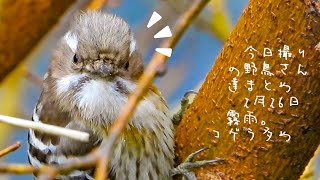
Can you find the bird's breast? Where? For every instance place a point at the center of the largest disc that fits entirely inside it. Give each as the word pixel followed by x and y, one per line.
pixel 145 149
pixel 143 154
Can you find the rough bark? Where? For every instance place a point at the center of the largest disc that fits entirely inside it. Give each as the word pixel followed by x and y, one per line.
pixel 22 25
pixel 272 24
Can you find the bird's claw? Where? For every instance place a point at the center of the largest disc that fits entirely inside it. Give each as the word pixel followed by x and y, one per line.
pixel 185 103
pixel 185 167
pixel 188 93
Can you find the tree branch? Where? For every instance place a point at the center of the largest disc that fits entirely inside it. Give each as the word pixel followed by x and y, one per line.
pixel 23 23
pixel 34 78
pixel 10 149
pixel 268 154
pixel 46 128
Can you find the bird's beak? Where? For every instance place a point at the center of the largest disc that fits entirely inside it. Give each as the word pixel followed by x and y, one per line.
pixel 100 68
pixel 104 70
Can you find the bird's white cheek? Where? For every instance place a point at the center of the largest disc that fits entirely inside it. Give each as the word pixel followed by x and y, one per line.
pixel 65 83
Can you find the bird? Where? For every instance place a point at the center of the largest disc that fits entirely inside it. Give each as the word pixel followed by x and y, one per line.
pixel 94 68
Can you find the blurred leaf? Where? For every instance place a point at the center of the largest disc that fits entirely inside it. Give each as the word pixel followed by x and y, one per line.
pixel 11 89
pixel 10 100
pixel 220 23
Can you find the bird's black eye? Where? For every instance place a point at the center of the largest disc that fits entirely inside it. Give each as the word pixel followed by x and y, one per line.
pixel 76 58
pixel 127 65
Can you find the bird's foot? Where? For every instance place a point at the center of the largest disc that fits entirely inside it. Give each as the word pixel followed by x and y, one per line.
pixel 185 167
pixel 185 103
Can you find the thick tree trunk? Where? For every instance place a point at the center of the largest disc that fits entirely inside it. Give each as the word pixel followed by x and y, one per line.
pixel 264 24
pixel 22 24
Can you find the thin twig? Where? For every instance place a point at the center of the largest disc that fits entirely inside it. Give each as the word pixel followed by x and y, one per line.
pixel 158 60
pixel 10 149
pixel 96 4
pixel 18 169
pixel 48 173
pixel 46 128
pixel 81 163
pixel 35 79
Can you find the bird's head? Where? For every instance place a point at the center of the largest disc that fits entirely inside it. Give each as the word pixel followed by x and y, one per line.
pixel 95 65
pixel 99 45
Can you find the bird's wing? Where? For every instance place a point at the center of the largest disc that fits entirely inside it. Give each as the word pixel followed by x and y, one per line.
pixel 50 149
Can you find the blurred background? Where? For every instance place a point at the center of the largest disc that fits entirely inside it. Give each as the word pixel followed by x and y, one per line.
pixel 187 68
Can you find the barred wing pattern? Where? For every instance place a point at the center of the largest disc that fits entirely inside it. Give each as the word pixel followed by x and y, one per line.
pixel 50 149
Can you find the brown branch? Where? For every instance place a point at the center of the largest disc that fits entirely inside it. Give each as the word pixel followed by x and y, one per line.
pixel 18 169
pixel 81 163
pixel 158 60
pixel 96 4
pixel 263 24
pixel 34 78
pixel 19 18
pixel 48 174
pixel 101 156
pixel 10 149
